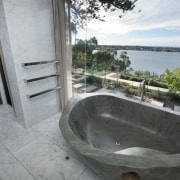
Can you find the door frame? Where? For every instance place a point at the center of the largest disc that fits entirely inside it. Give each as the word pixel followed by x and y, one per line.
pixel 6 78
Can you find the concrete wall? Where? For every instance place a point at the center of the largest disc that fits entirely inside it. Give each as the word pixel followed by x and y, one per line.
pixel 7 58
pixel 29 33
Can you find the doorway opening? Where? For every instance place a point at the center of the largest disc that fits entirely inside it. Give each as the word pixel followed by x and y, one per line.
pixel 4 85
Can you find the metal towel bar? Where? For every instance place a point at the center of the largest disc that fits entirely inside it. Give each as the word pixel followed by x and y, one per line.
pixel 39 63
pixel 43 92
pixel 40 78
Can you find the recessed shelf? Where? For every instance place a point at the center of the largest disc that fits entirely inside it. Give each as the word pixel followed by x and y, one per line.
pixel 42 92
pixel 40 78
pixel 39 63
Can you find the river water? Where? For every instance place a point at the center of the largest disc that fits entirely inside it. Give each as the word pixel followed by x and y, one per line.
pixel 153 61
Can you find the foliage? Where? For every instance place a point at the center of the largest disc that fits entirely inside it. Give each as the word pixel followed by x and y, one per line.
pixel 125 77
pixel 129 71
pixel 79 46
pixel 129 91
pixel 157 95
pixel 131 78
pixel 152 82
pixel 117 84
pixel 134 78
pixel 80 59
pixel 103 59
pixel 138 73
pixel 123 61
pixel 108 60
pixel 83 11
pixel 82 52
pixel 146 74
pixel 174 96
pixel 173 79
pixel 85 46
pixel 113 68
pixel 93 80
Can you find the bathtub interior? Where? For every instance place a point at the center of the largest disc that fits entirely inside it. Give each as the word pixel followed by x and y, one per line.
pixel 113 124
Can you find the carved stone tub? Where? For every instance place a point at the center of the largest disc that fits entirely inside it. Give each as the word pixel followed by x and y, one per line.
pixel 116 136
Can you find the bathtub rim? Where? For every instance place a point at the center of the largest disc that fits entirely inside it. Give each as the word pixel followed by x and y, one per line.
pixel 133 161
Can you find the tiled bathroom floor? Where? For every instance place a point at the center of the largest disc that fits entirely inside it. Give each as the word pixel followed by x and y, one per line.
pixel 37 153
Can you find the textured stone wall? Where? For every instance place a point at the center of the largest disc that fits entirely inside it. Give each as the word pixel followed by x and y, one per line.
pixel 27 35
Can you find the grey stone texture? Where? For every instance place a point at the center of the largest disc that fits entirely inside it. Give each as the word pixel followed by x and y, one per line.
pixel 115 135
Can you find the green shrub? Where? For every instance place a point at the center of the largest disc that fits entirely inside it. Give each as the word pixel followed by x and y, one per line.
pixel 93 79
pixel 174 96
pixel 173 79
pixel 134 78
pixel 125 77
pixel 116 84
pixel 157 95
pixel 129 91
pixel 113 68
pixel 152 82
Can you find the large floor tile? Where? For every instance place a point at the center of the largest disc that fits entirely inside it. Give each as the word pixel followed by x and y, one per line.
pixel 14 136
pixel 50 129
pixel 11 168
pixel 39 153
pixel 6 112
pixel 89 175
pixel 47 161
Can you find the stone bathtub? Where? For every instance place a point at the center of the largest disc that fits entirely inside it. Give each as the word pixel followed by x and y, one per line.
pixel 118 137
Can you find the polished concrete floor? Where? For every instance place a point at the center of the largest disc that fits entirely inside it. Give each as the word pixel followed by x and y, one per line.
pixel 37 153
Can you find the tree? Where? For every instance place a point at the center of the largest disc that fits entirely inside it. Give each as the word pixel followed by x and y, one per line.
pixel 79 59
pixel 78 53
pixel 80 46
pixel 103 59
pixel 123 61
pixel 83 11
pixel 85 46
pixel 83 52
pixel 91 45
pixel 173 79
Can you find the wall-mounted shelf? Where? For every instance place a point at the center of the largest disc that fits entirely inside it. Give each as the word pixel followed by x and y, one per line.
pixel 43 92
pixel 40 78
pixel 39 63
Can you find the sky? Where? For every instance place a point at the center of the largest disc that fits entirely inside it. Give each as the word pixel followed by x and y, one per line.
pixel 158 24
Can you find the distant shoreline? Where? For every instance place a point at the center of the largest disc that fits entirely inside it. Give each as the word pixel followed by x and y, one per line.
pixel 138 48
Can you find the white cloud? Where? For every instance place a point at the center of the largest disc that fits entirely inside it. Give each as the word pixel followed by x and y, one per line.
pixel 154 14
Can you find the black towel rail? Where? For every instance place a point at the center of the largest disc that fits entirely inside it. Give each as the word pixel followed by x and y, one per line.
pixel 39 63
pixel 43 92
pixel 40 78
